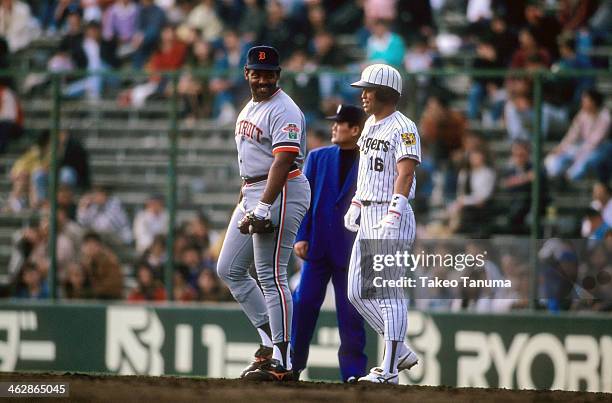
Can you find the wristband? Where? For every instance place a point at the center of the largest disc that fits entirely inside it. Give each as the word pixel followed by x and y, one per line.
pixel 262 210
pixel 356 202
pixel 398 204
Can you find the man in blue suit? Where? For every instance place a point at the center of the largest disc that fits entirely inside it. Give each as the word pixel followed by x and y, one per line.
pixel 325 245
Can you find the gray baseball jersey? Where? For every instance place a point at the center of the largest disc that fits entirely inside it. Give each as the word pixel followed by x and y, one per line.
pixel 266 127
pixel 381 145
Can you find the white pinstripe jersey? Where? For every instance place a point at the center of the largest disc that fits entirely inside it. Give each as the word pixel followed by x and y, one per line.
pixel 381 145
pixel 265 128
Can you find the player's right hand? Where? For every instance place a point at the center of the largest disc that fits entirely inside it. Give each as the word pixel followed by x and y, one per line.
pixel 301 249
pixel 352 215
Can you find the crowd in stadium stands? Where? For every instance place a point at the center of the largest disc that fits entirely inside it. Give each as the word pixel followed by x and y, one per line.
pixel 458 175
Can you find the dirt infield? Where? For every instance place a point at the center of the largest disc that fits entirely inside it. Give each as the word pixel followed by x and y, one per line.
pixel 98 388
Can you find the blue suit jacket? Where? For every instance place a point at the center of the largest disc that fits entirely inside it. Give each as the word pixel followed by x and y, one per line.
pixel 323 224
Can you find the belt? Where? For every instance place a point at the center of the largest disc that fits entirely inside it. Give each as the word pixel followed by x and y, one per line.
pixel 367 203
pixel 294 172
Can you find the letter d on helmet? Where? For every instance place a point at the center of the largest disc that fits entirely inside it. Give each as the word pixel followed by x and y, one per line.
pixel 380 75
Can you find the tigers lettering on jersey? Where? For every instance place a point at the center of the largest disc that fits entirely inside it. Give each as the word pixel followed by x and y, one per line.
pixel 248 130
pixel 375 144
pixel 382 145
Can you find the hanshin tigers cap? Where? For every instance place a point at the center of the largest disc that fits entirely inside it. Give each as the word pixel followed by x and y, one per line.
pixel 380 75
pixel 263 58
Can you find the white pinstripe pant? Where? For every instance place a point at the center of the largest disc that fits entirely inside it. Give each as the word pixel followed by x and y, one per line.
pixel 388 317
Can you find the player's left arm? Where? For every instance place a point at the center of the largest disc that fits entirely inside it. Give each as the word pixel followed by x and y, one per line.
pixel 406 169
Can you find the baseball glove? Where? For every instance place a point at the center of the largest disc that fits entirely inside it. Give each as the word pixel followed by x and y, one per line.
pixel 251 224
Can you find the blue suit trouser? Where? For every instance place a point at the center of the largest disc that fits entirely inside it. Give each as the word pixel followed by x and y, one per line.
pixel 307 301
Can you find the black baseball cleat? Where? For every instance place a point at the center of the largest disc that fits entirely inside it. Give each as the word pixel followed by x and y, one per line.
pixel 272 371
pixel 262 356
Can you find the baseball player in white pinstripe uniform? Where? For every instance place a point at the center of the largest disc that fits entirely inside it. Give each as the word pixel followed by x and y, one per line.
pixel 270 137
pixel 390 150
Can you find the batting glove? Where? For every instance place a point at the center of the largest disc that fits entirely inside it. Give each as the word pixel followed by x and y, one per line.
pixel 389 226
pixel 352 215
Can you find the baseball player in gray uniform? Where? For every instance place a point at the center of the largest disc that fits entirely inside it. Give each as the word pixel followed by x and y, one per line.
pixel 270 136
pixel 390 150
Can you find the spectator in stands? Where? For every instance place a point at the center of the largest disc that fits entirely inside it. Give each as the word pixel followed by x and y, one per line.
pixel 227 86
pixel 99 55
pixel 150 222
pixel 487 57
pixel 203 19
pixel 183 291
pixel 169 56
pixel 199 231
pixel 102 268
pixel 210 288
pixel 596 280
pixel 73 162
pixel 529 49
pixel 278 32
pixel 420 57
pixel 151 19
pixel 384 46
pixel 303 84
pixel 31 244
pixel 102 212
pixel 155 256
pixel 70 54
pixel 66 201
pixel 594 228
pixel 253 21
pixel 377 10
pixel 29 173
pixel 442 129
pixel 519 111
pixel 574 15
pixel 559 273
pixel 585 145
pixel 544 28
pixel 75 283
pixel 119 24
pixel 568 90
pixel 17 24
pixel 602 201
pixel 147 288
pixel 306 29
pixel 194 89
pixel 11 117
pixel 317 137
pixel 61 11
pixel 191 260
pixel 31 284
pixel 601 22
pixel 68 242
pixel 476 182
pixel 516 180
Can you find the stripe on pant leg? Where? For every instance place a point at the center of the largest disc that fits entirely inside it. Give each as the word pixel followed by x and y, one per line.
pixel 276 261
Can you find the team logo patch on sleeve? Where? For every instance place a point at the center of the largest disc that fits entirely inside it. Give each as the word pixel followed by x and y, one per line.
pixel 292 131
pixel 409 139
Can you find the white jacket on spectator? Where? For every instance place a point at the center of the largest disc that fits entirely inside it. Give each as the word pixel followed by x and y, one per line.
pixel 482 183
pixel 146 226
pixel 18 26
pixel 109 219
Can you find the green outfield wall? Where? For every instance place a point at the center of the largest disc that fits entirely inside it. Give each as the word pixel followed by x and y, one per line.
pixel 511 351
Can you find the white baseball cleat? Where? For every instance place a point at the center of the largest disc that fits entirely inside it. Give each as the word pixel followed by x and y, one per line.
pixel 408 361
pixel 377 375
